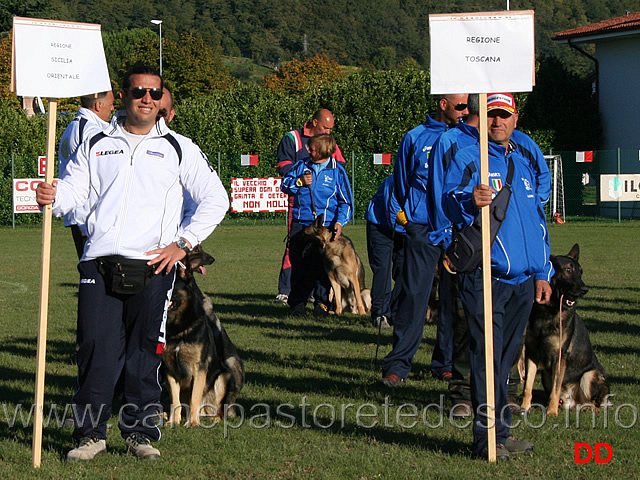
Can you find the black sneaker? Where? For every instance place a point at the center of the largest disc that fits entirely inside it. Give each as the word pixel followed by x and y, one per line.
pixel 300 310
pixel 140 446
pixel 391 381
pixel 321 310
pixel 502 454
pixel 446 376
pixel 515 445
pixel 461 410
pixel 88 448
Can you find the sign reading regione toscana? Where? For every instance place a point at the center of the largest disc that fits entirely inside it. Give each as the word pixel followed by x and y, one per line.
pixel 56 59
pixel 482 52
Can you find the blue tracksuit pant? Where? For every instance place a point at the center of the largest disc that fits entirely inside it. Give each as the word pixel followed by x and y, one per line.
pixel 119 335
pixel 420 260
pixel 385 251
pixel 511 307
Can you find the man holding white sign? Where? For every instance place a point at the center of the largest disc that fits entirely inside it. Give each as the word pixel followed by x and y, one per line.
pixel 134 174
pixel 521 269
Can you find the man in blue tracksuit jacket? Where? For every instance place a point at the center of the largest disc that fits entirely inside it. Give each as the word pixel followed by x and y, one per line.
pixel 420 255
pixel 465 134
pixel 521 269
pixel 321 188
pixel 384 247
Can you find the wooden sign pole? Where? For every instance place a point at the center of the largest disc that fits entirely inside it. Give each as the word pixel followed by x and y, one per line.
pixel 44 289
pixel 486 285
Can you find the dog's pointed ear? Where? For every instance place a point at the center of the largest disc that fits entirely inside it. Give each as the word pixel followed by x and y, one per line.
pixel 319 220
pixel 574 252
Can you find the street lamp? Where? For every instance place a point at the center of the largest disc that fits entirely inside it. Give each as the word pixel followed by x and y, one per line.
pixel 159 23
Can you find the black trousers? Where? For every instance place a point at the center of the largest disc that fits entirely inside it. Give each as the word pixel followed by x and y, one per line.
pixel 308 275
pixel 511 307
pixel 385 252
pixel 119 335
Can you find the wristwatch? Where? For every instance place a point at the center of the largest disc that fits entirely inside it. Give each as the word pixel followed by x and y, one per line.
pixel 182 243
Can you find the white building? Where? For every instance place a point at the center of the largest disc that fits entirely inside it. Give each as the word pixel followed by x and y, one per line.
pixel 617 65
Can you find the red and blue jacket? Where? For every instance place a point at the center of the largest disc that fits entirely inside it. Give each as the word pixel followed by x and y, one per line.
pixel 293 147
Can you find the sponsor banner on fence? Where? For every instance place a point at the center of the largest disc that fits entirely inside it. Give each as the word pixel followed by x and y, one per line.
pixel 24 195
pixel 258 195
pixel 620 188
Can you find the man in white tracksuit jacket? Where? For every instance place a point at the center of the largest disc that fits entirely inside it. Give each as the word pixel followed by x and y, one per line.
pixel 133 175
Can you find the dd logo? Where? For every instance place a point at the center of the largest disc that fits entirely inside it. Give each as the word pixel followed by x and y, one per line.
pixel 598 448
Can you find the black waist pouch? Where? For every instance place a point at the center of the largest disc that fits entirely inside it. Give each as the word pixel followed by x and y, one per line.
pixel 464 253
pixel 125 275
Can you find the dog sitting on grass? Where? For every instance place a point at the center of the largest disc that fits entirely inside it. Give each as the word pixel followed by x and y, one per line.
pixel 343 267
pixel 557 342
pixel 200 363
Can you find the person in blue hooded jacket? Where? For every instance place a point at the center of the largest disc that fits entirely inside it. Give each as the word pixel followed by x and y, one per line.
pixel 385 237
pixel 321 187
pixel 521 269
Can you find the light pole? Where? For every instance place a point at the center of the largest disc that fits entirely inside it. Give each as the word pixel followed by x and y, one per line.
pixel 159 23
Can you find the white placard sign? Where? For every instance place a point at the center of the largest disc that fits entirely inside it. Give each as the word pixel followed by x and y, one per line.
pixel 258 195
pixel 482 52
pixel 58 59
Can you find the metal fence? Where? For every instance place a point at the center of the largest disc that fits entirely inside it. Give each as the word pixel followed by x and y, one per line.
pixel 580 181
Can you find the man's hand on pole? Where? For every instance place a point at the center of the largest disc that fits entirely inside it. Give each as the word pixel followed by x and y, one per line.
pixel 45 193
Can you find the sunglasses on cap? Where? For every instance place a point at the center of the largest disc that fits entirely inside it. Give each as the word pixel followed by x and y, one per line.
pixel 139 92
pixel 460 107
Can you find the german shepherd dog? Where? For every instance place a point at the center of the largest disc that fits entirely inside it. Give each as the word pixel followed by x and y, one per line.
pixel 571 373
pixel 200 363
pixel 343 266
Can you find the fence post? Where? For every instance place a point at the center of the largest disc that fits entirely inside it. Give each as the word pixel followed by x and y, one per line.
pixel 353 185
pixel 13 207
pixel 619 204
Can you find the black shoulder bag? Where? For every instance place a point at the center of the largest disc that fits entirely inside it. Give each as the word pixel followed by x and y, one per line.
pixel 464 254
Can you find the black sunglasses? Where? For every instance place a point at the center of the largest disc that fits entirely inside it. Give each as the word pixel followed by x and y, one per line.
pixel 139 92
pixel 460 107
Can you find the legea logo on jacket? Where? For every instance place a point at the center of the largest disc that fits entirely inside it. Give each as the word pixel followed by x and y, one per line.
pixel 109 152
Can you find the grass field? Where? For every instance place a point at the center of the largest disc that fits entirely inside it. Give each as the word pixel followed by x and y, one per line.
pixel 310 407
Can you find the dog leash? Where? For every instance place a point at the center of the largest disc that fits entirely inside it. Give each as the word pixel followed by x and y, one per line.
pixel 313 204
pixel 560 340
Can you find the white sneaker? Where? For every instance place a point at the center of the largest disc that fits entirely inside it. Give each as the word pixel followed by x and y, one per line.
pixel 281 298
pixel 87 449
pixel 140 446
